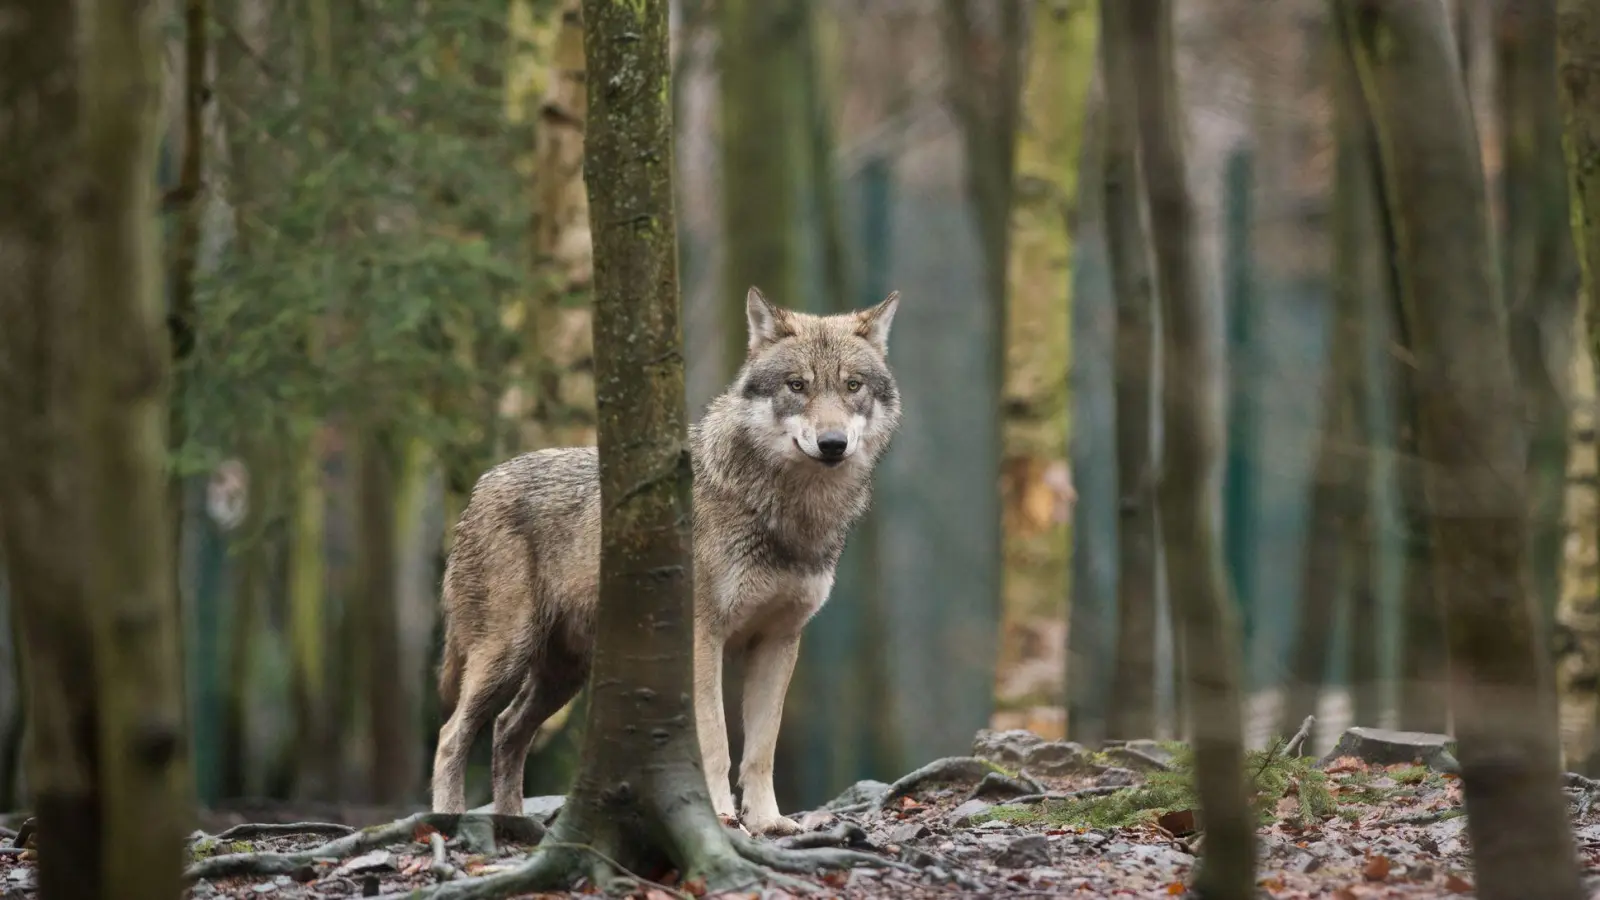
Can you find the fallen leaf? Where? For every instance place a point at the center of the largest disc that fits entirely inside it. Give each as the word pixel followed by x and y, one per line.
pixel 1377 868
pixel 1455 884
pixel 909 803
pixel 695 887
pixel 1344 894
pixel 421 832
pixel 657 894
pixel 1345 764
pixel 1175 888
pixel 1272 883
pixel 835 879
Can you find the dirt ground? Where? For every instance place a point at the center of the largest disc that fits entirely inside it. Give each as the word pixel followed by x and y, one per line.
pixel 972 828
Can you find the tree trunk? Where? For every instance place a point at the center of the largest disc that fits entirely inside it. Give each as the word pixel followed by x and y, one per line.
pixel 1578 61
pixel 84 485
pixel 1540 279
pixel 1187 489
pixel 392 761
pixel 42 337
pixel 1472 448
pixel 764 115
pixel 1037 491
pixel 1340 539
pixel 1133 688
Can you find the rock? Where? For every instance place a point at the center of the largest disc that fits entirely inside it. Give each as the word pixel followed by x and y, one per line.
pixel 906 832
pixel 996 786
pixel 1116 776
pixel 1152 749
pixel 1383 747
pixel 542 809
pixel 867 791
pixel 1008 748
pixel 1025 852
pixel 1136 759
pixel 1057 758
pixel 962 815
pixel 376 861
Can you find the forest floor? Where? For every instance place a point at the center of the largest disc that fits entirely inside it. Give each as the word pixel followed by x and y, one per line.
pixel 1374 818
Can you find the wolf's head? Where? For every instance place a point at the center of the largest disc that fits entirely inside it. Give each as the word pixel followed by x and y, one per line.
pixel 817 390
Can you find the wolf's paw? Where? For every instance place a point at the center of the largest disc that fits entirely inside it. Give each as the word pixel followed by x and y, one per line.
pixel 771 825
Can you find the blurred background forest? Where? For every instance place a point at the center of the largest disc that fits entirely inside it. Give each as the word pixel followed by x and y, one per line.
pixel 378 273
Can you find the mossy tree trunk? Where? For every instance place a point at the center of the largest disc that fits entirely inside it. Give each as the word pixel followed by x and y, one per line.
pixel 1471 448
pixel 1133 687
pixel 1187 490
pixel 1578 61
pixel 1036 483
pixel 85 365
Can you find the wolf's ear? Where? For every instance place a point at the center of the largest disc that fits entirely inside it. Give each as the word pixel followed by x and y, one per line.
pixel 873 323
pixel 768 323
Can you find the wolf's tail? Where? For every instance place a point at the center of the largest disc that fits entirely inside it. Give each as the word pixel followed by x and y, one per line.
pixel 449 677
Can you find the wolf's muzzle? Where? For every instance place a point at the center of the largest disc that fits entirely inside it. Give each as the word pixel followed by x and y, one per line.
pixel 832 445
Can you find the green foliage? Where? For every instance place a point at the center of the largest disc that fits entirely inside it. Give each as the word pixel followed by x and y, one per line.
pixel 370 236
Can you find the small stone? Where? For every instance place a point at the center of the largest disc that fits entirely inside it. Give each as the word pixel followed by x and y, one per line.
pixel 203 889
pixel 376 861
pixel 938 874
pixel 962 815
pixel 1056 758
pixel 1384 747
pixel 907 832
pixel 1116 776
pixel 993 825
pixel 1025 852
pixel 865 791
pixel 265 887
pixel 1152 749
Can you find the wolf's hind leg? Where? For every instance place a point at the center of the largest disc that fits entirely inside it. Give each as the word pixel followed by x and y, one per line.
pixel 768 668
pixel 481 692
pixel 708 718
pixel 514 729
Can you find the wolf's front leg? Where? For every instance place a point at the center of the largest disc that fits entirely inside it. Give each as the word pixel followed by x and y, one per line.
pixel 708 718
pixel 766 681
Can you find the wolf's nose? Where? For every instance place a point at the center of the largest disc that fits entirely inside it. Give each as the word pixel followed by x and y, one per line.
pixel 832 444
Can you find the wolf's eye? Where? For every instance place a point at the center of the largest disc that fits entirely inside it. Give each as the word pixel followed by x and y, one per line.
pixel 852 385
pixel 796 385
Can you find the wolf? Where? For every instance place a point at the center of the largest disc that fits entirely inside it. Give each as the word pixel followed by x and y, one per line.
pixel 783 463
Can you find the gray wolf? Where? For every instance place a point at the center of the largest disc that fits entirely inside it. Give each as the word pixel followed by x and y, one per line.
pixel 782 462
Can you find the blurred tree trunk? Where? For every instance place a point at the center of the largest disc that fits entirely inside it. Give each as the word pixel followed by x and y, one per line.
pixel 248 546
pixel 1472 449
pixel 1340 540
pixel 1133 689
pixel 185 251
pixel 559 341
pixel 392 744
pixel 1541 271
pixel 1576 638
pixel 86 528
pixel 1187 490
pixel 1036 483
pixel 764 141
pixel 1540 278
pixel 42 398
pixel 1578 61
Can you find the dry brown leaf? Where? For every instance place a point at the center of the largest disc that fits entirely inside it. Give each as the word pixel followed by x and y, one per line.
pixel 1179 822
pixel 1176 888
pixel 1455 884
pixel 1377 868
pixel 1345 764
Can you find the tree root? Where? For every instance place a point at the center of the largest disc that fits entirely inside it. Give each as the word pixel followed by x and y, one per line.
pixel 555 865
pixel 1031 799
pixel 253 831
pixel 266 862
pixel 964 769
pixel 1291 750
pixel 844 834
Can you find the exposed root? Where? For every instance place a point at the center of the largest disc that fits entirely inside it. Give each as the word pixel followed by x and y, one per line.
pixel 1574 780
pixel 543 871
pixel 253 831
pixel 1426 818
pixel 1031 799
pixel 441 869
pixel 808 861
pixel 996 786
pixel 514 828
pixel 963 769
pixel 1292 749
pixel 844 834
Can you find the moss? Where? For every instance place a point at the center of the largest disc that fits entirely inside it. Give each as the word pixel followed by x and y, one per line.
pixel 203 848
